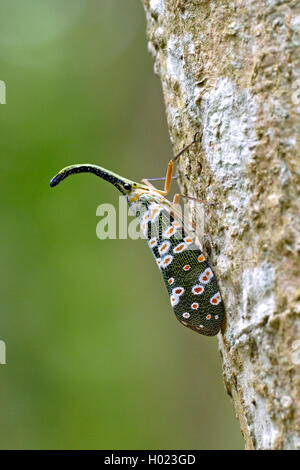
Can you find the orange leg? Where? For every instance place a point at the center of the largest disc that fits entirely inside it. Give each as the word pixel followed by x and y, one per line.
pixel 168 180
pixel 147 183
pixel 176 199
pixel 178 196
pixel 170 169
pixel 176 211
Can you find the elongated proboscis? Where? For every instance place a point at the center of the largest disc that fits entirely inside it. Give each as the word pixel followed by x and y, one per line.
pixel 123 184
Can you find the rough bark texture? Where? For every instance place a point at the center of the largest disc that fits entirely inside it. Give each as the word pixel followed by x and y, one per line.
pixel 233 68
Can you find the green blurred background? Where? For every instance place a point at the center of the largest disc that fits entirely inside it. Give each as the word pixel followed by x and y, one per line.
pixel 95 357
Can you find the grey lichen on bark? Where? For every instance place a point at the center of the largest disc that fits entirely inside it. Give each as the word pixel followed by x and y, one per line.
pixel 233 69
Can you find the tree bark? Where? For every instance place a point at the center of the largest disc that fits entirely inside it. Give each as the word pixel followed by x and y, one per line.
pixel 233 69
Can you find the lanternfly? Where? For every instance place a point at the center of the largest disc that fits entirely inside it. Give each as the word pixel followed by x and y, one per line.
pixel 191 285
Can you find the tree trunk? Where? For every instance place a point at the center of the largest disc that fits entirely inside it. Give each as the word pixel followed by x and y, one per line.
pixel 233 69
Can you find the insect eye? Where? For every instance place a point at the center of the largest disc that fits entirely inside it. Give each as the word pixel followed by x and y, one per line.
pixel 127 186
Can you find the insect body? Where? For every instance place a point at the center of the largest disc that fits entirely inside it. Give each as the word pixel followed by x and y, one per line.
pixel 191 285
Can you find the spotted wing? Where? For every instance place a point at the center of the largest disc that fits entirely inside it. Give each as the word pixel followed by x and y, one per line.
pixel 192 287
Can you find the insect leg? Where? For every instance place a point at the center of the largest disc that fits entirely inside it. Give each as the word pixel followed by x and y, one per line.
pixel 178 196
pixel 147 183
pixel 196 136
pixel 171 164
pixel 175 204
pixel 170 168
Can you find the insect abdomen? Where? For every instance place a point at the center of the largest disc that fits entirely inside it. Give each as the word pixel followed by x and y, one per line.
pixel 192 287
pixel 194 293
